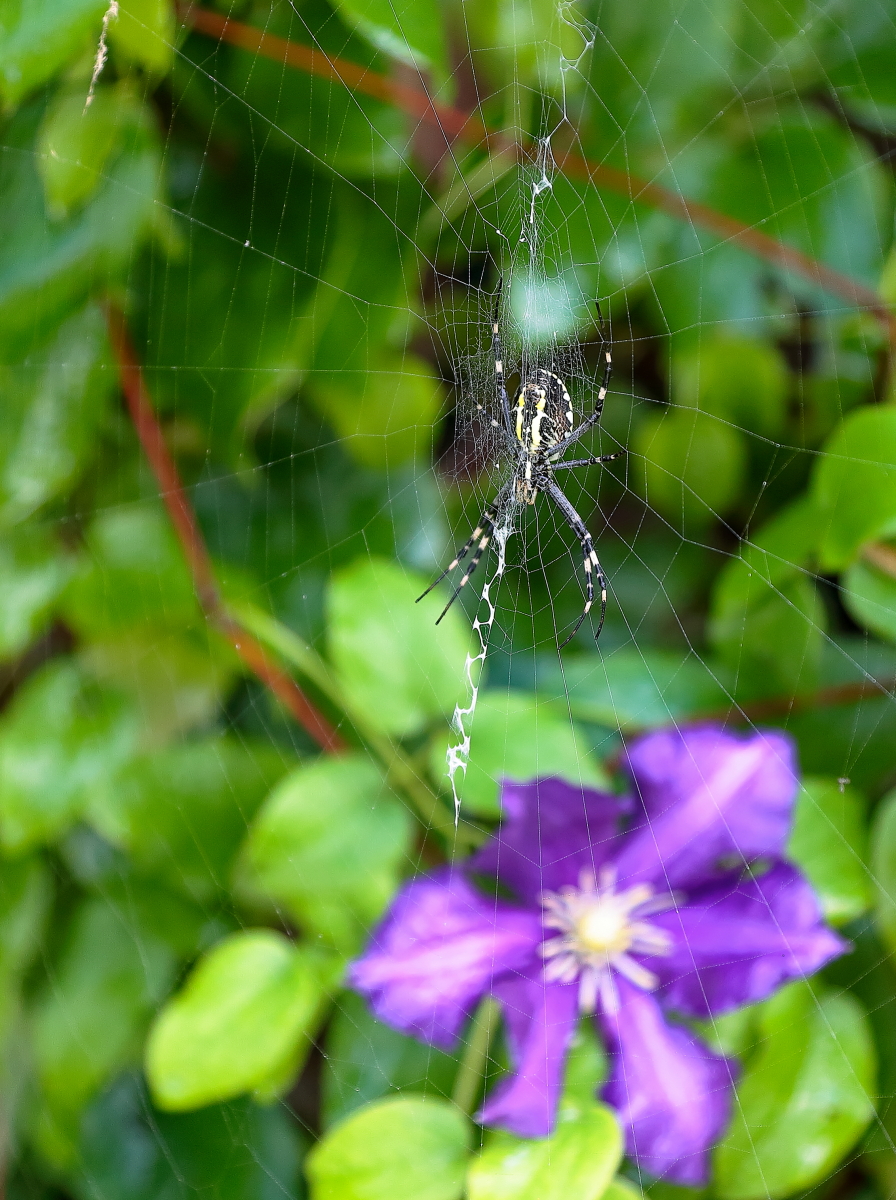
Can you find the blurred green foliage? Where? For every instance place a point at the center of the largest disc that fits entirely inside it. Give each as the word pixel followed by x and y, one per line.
pixel 307 276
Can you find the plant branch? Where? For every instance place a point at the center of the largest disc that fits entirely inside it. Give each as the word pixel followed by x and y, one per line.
pixel 471 1072
pixel 194 549
pixel 455 124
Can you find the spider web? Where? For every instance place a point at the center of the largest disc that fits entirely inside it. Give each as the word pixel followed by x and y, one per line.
pixel 555 247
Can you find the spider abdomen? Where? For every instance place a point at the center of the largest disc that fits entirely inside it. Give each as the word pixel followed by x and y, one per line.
pixel 543 412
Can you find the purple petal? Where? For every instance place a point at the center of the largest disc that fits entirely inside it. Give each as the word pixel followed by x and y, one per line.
pixel 539 1021
pixel 437 953
pixel 550 831
pixel 671 1093
pixel 738 940
pixel 707 796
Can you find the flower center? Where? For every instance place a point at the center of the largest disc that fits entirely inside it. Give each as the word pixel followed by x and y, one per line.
pixel 604 926
pixel 598 926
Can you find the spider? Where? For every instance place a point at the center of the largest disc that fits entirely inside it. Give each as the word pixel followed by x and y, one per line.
pixel 537 429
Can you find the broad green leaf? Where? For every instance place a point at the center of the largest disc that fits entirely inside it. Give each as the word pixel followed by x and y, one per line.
pixel 803 1100
pixel 49 267
pixel 828 842
pixel 387 415
pixel 90 1016
pixel 585 1071
pixel 394 664
pixel 329 843
pixel 51 406
pixel 693 465
pixel 400 1149
pixel 869 596
pixel 854 485
pixel 181 814
pixel 26 891
pixel 638 689
pixel 38 36
pixel 235 1151
pixel 766 619
pixel 412 31
pixel 621 1188
pixel 882 842
pixel 241 1022
pixel 176 683
pixel 75 142
pixel 61 738
pixel 144 33
pixel 366 1059
pixel 738 379
pixel 135 576
pixel 517 736
pixel 33 571
pixel 577 1162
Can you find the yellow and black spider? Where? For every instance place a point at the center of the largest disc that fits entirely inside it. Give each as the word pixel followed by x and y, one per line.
pixel 537 429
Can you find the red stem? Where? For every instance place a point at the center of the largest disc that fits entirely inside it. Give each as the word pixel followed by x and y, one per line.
pixel 454 124
pixel 195 551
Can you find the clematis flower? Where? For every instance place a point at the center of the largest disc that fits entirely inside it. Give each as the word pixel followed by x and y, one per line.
pixel 673 903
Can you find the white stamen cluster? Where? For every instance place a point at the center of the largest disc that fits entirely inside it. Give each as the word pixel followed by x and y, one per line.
pixel 600 928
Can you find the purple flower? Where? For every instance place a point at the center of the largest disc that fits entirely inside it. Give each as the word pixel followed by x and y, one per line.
pixel 690 910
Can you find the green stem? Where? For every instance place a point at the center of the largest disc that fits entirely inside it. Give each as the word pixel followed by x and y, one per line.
pixel 400 771
pixel 471 1072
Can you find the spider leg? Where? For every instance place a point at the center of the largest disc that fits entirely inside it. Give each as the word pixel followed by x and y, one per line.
pixel 479 534
pixel 588 462
pixel 474 563
pixel 601 393
pixel 503 400
pixel 591 562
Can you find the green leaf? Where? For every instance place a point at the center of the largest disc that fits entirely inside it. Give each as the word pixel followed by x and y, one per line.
pixel 517 736
pixel 235 1151
pixel 387 416
pixel 882 841
pixel 854 485
pixel 33 572
pixel 635 689
pixel 869 596
pixel 135 576
pixel 693 465
pixel 50 267
pixel 803 1100
pixel 90 1017
pixel 366 1059
pixel 400 1149
pixel 75 142
pixel 176 683
pixel 828 842
pixel 394 664
pixel 241 1022
pixel 577 1162
pixel 181 814
pixel 766 619
pixel 330 843
pixel 60 739
pixel 739 379
pixel 144 33
pixel 51 406
pixel 38 36
pixel 26 892
pixel 412 31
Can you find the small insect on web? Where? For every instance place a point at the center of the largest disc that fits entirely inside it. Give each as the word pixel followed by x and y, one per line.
pixel 537 429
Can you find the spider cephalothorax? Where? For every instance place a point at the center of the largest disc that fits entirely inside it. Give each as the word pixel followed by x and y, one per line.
pixel 537 430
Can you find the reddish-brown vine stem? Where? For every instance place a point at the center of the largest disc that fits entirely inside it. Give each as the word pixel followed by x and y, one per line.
pixel 455 124
pixel 183 519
